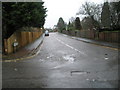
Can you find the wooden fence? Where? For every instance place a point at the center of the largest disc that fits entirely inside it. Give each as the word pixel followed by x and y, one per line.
pixel 102 36
pixel 22 38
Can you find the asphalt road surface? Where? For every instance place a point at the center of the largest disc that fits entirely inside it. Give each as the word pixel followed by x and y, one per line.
pixel 63 62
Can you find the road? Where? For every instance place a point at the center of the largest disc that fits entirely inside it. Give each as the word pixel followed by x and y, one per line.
pixel 63 62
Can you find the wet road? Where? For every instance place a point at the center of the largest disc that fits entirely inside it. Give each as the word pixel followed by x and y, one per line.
pixel 64 62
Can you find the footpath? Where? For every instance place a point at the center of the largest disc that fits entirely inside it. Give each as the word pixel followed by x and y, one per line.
pixel 108 44
pixel 26 52
pixel 114 46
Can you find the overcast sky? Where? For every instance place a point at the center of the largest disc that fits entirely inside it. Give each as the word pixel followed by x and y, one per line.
pixel 62 8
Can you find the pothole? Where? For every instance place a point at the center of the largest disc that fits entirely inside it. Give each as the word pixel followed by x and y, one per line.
pixel 78 72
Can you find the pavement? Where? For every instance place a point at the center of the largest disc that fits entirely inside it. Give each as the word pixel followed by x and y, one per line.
pixel 102 43
pixel 31 49
pixel 26 52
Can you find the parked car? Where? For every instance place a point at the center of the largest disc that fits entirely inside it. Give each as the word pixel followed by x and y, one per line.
pixel 46 33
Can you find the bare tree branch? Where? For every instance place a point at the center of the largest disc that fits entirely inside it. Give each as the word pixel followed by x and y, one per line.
pixel 91 9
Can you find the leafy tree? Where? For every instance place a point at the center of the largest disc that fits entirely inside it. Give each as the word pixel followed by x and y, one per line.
pixel 105 16
pixel 78 24
pixel 71 24
pixel 6 19
pixel 115 14
pixel 22 14
pixel 61 24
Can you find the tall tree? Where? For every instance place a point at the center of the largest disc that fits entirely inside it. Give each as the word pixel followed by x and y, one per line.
pixel 61 24
pixel 115 14
pixel 105 16
pixel 71 24
pixel 22 14
pixel 78 24
pixel 91 9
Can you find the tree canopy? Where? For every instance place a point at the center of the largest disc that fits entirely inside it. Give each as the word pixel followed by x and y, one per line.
pixel 110 16
pixel 61 24
pixel 105 16
pixel 16 15
pixel 78 24
pixel 115 14
pixel 90 9
pixel 102 16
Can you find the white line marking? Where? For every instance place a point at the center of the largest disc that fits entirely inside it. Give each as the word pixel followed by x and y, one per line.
pixel 38 52
pixel 71 47
pixel 39 49
pixel 73 37
pixel 64 35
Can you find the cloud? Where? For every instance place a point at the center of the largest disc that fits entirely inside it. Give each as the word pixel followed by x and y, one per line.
pixel 62 8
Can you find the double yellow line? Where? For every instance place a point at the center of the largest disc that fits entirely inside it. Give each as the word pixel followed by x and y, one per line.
pixel 116 49
pixel 100 45
pixel 20 59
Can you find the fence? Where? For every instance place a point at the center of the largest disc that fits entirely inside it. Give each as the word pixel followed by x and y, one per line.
pixel 91 34
pixel 21 38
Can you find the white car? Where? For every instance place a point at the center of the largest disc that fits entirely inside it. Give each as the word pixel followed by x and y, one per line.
pixel 46 33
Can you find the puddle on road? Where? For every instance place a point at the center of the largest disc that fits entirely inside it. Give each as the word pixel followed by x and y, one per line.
pixel 97 79
pixel 41 60
pixel 69 58
pixel 15 69
pixel 50 56
pixel 94 80
pixel 106 58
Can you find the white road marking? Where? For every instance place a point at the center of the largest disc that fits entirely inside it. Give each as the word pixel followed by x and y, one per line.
pixel 71 47
pixel 60 66
pixel 73 37
pixel 64 35
pixel 94 43
pixel 38 52
pixel 106 58
pixel 39 49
